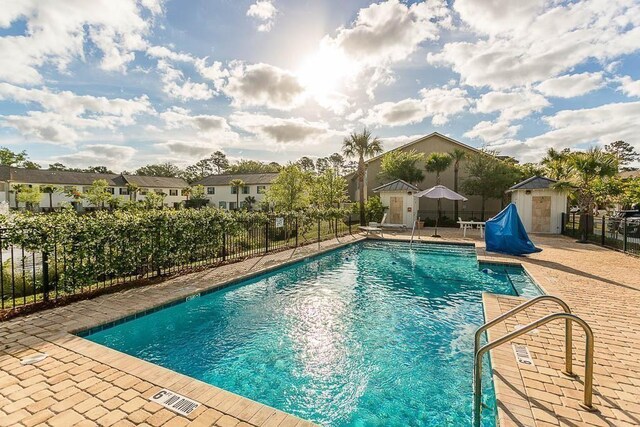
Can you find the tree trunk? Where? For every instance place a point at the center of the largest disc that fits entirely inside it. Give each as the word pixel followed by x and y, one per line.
pixel 482 208
pixel 455 188
pixel 361 189
pixel 51 201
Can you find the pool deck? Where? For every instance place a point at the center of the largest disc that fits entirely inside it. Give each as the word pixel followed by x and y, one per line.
pixel 82 383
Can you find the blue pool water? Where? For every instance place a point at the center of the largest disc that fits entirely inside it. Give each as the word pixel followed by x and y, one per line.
pixel 373 334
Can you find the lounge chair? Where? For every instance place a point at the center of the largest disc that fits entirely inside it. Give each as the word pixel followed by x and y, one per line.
pixel 385 224
pixel 371 229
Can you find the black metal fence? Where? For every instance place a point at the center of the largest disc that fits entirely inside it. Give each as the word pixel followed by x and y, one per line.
pixel 82 264
pixel 448 216
pixel 616 233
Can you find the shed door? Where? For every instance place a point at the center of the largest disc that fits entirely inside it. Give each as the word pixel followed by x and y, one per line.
pixel 396 209
pixel 541 214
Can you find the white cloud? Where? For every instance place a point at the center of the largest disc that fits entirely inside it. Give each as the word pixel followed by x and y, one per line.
pixel 390 31
pixel 176 86
pixel 493 131
pixel 191 149
pixel 629 87
pixel 571 85
pixel 263 85
pixel 511 105
pixel 438 103
pixel 265 12
pixel 293 130
pixel 524 48
pixel 66 115
pixel 111 156
pixel 57 32
pixel 579 128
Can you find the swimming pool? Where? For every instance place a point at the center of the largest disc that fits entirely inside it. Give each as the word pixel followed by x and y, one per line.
pixel 372 334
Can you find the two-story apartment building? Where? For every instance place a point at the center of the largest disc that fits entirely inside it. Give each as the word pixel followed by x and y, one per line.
pixel 221 194
pixel 66 183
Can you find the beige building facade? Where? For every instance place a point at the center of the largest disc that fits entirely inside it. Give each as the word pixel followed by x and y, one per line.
pixel 432 143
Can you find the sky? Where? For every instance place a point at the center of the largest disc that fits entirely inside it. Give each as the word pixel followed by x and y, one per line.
pixel 124 83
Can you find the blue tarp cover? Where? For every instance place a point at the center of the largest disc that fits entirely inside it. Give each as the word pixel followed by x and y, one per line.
pixel 505 233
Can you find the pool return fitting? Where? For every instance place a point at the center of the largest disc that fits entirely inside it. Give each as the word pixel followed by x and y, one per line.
pixel 569 319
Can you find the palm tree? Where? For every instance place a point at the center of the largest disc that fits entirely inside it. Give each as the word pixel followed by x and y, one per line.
pixel 133 191
pixel 456 156
pixel 16 189
pixel 186 191
pixel 438 163
pixel 361 145
pixel 50 189
pixel 237 184
pixel 583 169
pixel 249 202
pixel 556 164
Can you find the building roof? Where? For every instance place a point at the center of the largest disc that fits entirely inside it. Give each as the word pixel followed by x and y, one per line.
pixel 397 185
pixel 416 141
pixel 248 178
pixel 155 181
pixel 534 183
pixel 45 176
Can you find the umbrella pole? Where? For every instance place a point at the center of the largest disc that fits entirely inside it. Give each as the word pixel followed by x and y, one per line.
pixel 436 232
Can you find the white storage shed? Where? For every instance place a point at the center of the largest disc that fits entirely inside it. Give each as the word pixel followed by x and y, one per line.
pixel 397 197
pixel 540 206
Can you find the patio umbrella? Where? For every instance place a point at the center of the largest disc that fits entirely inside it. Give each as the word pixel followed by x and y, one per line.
pixel 440 192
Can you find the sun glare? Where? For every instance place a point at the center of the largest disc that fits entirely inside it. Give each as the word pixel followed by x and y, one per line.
pixel 325 72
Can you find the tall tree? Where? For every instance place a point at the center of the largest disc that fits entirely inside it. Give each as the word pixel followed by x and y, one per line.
pixel 50 190
pixel 98 194
pixel 337 162
pixel 586 168
pixel 322 164
pixel 290 190
pixel 237 185
pixel 361 145
pixel 97 169
pixel 252 166
pixel 624 152
pixel 20 160
pixel 399 164
pixel 555 164
pixel 30 196
pixel 489 177
pixel 219 161
pixel 133 190
pixel 457 156
pixel 328 190
pixel 438 163
pixel 161 169
pixel 306 164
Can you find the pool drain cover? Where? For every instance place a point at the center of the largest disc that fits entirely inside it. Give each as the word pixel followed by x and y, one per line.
pixel 34 358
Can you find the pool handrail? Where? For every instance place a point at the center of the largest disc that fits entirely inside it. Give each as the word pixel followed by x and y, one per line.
pixel 588 368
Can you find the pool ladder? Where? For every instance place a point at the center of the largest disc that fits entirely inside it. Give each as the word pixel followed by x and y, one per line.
pixel 569 319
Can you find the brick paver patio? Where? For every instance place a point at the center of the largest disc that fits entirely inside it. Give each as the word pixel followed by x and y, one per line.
pixel 82 383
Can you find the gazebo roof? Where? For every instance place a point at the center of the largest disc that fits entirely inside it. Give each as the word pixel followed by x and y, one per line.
pixel 397 185
pixel 534 183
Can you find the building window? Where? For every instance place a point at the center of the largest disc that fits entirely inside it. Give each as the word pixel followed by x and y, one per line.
pixel 211 190
pixel 234 190
pixel 124 191
pixel 222 205
pixel 173 192
pixel 262 189
pixel 144 191
pixel 111 190
pixel 232 206
pixel 245 189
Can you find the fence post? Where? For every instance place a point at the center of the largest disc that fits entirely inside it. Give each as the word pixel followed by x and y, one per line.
pixel 296 231
pixel 266 236
pixel 562 221
pixel 604 226
pixel 45 276
pixel 624 240
pixel 573 227
pixel 224 245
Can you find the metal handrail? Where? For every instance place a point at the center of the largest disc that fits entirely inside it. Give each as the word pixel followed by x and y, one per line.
pixel 588 360
pixel 568 332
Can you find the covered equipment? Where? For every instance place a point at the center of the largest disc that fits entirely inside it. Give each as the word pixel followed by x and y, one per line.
pixel 505 233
